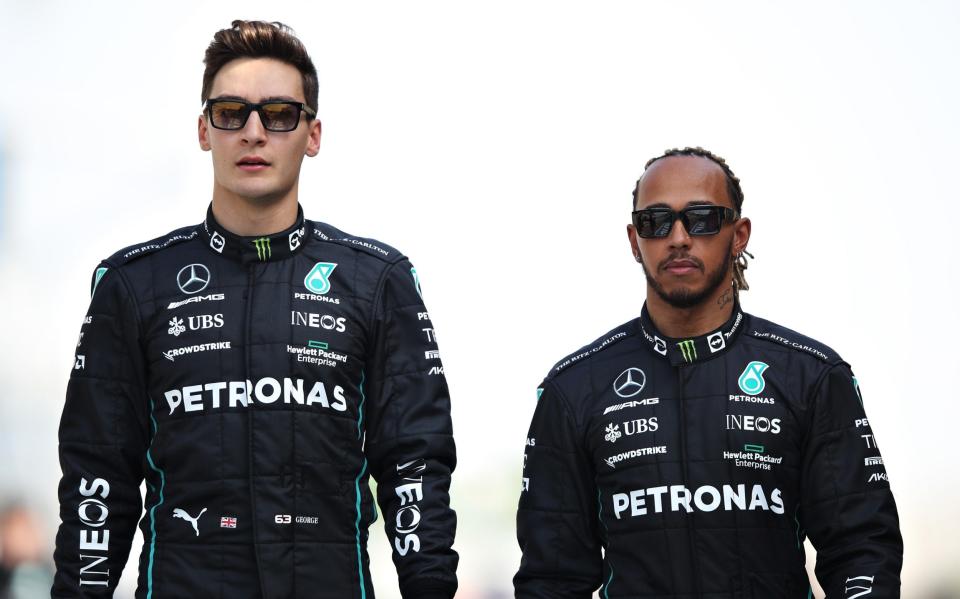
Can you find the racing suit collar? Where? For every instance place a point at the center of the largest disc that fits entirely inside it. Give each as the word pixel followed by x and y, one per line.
pixel 692 349
pixel 265 248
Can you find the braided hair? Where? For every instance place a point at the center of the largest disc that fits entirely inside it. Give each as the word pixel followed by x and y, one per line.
pixel 733 191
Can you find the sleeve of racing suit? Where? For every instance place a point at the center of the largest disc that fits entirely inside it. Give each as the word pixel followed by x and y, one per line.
pixel 409 439
pixel 102 446
pixel 557 515
pixel 847 507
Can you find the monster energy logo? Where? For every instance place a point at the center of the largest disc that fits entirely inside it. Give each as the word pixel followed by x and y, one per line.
pixel 263 248
pixel 689 350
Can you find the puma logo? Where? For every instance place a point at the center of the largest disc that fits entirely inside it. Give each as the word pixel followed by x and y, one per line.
pixel 178 513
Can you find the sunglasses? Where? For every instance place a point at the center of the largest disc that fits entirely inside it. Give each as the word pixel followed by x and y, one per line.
pixel 275 116
pixel 697 220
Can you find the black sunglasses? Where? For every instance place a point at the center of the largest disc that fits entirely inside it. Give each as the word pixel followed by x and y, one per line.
pixel 275 115
pixel 697 220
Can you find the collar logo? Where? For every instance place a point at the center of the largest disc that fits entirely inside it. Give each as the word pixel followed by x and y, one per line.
pixel 630 382
pixel 217 242
pixel 263 248
pixel 689 350
pixel 193 278
pixel 751 380
pixel 294 238
pixel 659 345
pixel 318 279
pixel 716 342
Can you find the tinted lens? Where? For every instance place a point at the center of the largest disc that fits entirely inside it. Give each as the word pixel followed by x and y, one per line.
pixel 654 223
pixel 702 221
pixel 228 115
pixel 280 117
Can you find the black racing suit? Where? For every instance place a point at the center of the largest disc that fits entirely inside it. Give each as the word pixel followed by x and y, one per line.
pixel 256 384
pixel 695 468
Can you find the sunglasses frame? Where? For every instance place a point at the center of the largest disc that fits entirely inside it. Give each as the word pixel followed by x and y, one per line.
pixel 725 214
pixel 249 107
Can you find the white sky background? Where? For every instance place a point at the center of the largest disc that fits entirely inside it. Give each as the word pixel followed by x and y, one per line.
pixel 496 144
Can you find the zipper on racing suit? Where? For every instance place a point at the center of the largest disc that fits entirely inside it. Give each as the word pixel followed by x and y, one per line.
pixel 691 532
pixel 248 298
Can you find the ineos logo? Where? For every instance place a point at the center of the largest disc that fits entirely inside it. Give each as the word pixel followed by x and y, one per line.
pixel 630 382
pixel 101 515
pixel 193 278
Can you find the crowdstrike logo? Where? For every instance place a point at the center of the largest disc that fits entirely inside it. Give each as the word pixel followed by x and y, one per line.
pixel 193 349
pixel 193 278
pixel 634 453
pixel 318 279
pixel 751 379
pixel 688 349
pixel 630 382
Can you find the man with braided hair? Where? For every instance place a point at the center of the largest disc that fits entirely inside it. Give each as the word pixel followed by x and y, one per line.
pixel 689 452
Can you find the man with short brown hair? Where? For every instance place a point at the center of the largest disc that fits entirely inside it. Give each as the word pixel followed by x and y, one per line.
pixel 255 370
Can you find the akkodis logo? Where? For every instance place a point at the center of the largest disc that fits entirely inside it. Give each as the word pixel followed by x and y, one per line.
pixel 318 279
pixel 751 380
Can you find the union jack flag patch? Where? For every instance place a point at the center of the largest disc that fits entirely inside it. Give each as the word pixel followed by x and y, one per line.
pixel 228 522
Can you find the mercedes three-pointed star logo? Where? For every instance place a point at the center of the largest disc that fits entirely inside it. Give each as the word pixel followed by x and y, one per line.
pixel 630 382
pixel 193 278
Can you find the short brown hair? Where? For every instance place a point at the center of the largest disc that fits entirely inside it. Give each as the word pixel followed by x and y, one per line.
pixel 259 39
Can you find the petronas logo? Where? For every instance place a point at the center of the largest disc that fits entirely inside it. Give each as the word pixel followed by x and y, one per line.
pixel 689 350
pixel 263 248
pixel 751 381
pixel 318 279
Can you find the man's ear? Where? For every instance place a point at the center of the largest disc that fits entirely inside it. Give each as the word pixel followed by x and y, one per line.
pixel 313 141
pixel 741 235
pixel 203 134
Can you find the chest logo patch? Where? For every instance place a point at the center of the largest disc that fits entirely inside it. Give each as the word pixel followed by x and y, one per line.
pixel 751 380
pixel 630 382
pixel 318 279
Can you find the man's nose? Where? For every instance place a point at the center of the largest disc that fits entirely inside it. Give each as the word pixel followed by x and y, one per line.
pixel 678 237
pixel 253 130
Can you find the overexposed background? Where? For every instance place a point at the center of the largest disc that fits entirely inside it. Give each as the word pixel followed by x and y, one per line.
pixel 497 143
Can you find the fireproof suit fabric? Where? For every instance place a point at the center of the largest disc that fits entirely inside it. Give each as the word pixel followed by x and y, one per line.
pixel 256 384
pixel 682 468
